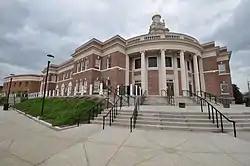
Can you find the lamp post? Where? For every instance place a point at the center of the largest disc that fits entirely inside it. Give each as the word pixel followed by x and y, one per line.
pixel 45 84
pixel 6 106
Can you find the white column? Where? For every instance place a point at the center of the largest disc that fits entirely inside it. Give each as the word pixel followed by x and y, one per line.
pixel 162 77
pixel 118 90
pixel 127 71
pixel 131 89
pixel 136 90
pixel 90 89
pixel 203 87
pixel 183 73
pixel 196 74
pixel 53 93
pixel 101 89
pixel 143 71
pixel 176 77
pixel 140 91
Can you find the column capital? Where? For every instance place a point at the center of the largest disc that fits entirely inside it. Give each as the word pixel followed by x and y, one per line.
pixel 163 50
pixel 142 52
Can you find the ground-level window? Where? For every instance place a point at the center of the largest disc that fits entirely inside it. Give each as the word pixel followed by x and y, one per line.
pixel 138 82
pixel 152 62
pixel 224 88
pixel 178 63
pixel 137 63
pixel 168 61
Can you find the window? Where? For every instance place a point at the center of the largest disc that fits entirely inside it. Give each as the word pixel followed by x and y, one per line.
pixel 222 68
pixel 63 76
pixel 152 62
pixel 83 65
pixel 97 63
pixel 188 65
pixel 137 63
pixel 178 63
pixel 108 62
pixel 86 64
pixel 14 84
pixel 78 66
pixel 224 88
pixel 26 84
pixel 168 61
pixel 20 83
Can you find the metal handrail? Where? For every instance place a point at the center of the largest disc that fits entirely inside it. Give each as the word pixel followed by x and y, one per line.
pixel 113 112
pixel 170 99
pixel 210 96
pixel 92 112
pixel 211 113
pixel 139 101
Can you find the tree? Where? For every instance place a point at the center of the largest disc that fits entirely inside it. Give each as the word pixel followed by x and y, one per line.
pixel 238 96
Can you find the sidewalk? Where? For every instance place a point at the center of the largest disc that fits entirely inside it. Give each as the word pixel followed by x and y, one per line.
pixel 24 142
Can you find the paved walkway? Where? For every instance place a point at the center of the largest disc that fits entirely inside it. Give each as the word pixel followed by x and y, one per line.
pixel 24 142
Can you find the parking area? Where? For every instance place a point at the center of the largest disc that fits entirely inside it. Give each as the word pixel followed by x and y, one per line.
pixel 24 142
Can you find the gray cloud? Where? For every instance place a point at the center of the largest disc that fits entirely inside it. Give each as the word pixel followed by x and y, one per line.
pixel 31 28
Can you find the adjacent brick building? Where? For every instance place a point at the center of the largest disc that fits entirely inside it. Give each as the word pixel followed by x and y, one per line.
pixel 25 83
pixel 155 61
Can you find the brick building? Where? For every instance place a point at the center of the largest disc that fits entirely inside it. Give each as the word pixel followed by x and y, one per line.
pixel 25 83
pixel 158 60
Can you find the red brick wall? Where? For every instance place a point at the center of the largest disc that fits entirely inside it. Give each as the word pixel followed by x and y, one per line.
pixel 22 86
pixel 212 83
pixel 153 82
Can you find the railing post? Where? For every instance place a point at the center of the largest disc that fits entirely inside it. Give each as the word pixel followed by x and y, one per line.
pixel 234 129
pixel 213 113
pixel 215 100
pixel 103 122
pixel 110 118
pixel 217 121
pixel 131 124
pixel 128 100
pixel 208 108
pixel 221 122
pixel 210 97
pixel 201 105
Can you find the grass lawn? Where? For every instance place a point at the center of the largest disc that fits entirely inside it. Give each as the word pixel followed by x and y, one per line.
pixel 2 101
pixel 59 111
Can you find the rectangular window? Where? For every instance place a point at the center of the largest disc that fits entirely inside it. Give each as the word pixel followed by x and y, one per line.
pixel 26 84
pixel 138 83
pixel 137 63
pixel 108 62
pixel 168 61
pixel 97 64
pixel 20 83
pixel 152 62
pixel 78 66
pixel 188 65
pixel 178 63
pixel 86 64
pixel 83 65
pixel 222 68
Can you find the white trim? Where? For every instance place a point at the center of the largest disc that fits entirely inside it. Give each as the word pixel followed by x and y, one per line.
pixel 65 69
pixel 221 74
pixel 115 67
pixel 211 71
pixel 64 80
pixel 222 58
pixel 114 49
pixel 86 54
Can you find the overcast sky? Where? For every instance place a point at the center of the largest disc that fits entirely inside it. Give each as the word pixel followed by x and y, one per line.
pixel 29 29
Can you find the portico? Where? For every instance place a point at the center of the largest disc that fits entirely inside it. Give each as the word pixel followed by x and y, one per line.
pixel 174 71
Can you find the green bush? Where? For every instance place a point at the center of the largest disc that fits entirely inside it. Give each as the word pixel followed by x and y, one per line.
pixel 58 111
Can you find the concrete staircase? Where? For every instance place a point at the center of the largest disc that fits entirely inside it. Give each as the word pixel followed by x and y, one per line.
pixel 155 100
pixel 242 121
pixel 162 118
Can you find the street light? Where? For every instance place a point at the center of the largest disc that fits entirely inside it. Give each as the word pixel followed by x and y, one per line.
pixel 6 106
pixel 45 85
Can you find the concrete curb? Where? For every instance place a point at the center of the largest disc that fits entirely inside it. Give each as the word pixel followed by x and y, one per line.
pixel 47 124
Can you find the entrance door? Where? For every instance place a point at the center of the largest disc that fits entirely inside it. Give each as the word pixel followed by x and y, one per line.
pixel 170 88
pixel 190 89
